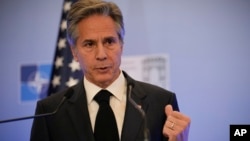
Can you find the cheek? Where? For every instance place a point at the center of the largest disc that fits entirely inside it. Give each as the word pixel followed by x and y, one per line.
pixel 118 58
pixel 86 61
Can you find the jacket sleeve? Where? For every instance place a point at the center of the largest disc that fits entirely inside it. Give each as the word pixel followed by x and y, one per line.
pixel 174 103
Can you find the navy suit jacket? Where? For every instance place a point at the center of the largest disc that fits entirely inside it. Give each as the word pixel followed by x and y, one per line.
pixel 72 121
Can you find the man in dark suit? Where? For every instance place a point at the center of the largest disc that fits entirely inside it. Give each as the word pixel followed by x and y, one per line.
pixel 142 111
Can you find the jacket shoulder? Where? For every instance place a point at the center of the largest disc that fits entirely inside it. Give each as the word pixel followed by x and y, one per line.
pixel 53 100
pixel 156 94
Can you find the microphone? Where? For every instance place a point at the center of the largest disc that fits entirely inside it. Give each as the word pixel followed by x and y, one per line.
pixel 145 132
pixel 66 96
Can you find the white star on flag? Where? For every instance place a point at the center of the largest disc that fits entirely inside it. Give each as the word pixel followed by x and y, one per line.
pixel 62 43
pixel 71 81
pixel 59 62
pixel 67 6
pixel 56 81
pixel 74 65
pixel 63 25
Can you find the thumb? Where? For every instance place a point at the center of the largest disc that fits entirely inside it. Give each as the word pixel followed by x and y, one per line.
pixel 168 109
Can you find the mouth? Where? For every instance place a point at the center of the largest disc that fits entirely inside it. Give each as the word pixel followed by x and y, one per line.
pixel 103 68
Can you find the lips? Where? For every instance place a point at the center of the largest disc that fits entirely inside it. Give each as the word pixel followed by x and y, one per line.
pixel 103 68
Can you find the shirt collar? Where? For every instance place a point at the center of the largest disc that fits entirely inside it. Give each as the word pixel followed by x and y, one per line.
pixel 117 88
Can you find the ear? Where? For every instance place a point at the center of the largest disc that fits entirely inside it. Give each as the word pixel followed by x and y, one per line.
pixel 74 53
pixel 122 46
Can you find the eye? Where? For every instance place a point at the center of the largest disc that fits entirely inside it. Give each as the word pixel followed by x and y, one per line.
pixel 109 41
pixel 88 44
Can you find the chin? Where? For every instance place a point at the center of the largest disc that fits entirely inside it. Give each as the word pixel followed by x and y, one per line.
pixel 105 81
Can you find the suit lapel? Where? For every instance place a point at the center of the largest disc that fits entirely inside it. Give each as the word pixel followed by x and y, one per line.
pixel 79 115
pixel 133 126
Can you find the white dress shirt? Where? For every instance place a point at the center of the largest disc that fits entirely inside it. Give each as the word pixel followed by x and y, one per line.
pixel 117 102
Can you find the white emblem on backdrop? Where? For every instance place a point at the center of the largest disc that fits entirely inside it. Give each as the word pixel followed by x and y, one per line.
pixel 153 69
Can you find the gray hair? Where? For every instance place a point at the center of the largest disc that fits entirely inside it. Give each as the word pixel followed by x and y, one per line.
pixel 85 8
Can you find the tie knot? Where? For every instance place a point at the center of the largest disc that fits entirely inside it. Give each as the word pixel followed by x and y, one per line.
pixel 102 97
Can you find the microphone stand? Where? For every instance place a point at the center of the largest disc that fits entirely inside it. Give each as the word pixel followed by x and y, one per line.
pixel 67 95
pixel 28 117
pixel 145 132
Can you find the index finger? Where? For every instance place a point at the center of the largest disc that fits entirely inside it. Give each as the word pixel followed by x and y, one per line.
pixel 180 116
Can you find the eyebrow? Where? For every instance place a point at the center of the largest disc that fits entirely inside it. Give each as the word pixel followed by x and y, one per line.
pixel 105 38
pixel 111 37
pixel 88 40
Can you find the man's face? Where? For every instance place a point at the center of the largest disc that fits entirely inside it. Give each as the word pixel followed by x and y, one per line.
pixel 98 50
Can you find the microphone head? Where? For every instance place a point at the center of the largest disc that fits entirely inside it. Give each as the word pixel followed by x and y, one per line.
pixel 131 84
pixel 69 93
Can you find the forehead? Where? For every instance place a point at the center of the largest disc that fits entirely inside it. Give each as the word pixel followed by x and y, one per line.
pixel 97 25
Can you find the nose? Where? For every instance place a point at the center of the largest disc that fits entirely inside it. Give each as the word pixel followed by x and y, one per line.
pixel 101 52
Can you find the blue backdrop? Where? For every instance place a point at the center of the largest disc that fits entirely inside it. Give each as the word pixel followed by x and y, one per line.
pixel 208 43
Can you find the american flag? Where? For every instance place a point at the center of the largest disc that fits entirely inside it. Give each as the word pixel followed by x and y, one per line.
pixel 65 70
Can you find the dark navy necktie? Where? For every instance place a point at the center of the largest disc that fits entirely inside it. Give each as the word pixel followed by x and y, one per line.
pixel 105 123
